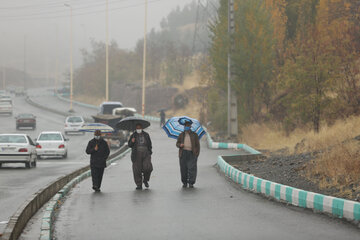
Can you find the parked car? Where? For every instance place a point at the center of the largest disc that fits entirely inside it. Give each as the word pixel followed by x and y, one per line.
pixel 25 120
pixel 73 124
pixel 17 148
pixel 6 107
pixel 51 144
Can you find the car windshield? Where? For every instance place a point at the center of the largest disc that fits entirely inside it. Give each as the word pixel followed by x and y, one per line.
pixel 108 108
pixel 26 116
pixel 50 137
pixel 74 120
pixel 12 139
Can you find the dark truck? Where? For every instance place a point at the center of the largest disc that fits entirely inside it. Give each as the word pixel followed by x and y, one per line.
pixel 110 114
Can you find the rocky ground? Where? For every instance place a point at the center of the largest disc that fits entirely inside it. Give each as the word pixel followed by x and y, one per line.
pixel 280 167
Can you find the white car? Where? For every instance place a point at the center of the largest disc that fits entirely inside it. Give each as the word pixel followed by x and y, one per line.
pixel 73 124
pixel 17 148
pixel 6 107
pixel 51 144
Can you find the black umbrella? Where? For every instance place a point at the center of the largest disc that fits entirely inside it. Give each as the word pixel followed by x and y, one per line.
pixel 130 123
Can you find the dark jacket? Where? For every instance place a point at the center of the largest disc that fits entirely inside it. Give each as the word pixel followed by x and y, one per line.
pixel 98 158
pixel 195 143
pixel 134 145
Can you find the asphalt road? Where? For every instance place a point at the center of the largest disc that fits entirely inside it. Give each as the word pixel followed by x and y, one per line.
pixel 18 183
pixel 215 209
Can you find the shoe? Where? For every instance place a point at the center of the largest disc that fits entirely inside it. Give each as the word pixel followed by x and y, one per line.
pixel 97 190
pixel 191 185
pixel 139 188
pixel 146 184
pixel 185 185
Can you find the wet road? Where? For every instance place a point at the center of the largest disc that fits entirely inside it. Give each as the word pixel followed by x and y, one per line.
pixel 18 183
pixel 215 209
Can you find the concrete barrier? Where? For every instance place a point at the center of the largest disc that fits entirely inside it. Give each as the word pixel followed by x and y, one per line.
pixel 336 207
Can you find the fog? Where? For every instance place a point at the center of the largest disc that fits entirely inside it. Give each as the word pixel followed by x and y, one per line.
pixel 35 24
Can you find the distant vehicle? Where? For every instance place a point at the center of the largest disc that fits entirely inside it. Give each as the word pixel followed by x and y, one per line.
pixel 6 107
pixel 19 91
pixel 51 144
pixel 25 120
pixel 5 98
pixel 73 124
pixel 107 108
pixel 64 91
pixel 110 114
pixel 2 92
pixel 17 148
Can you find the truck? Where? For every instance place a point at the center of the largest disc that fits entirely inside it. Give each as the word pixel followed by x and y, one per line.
pixel 110 114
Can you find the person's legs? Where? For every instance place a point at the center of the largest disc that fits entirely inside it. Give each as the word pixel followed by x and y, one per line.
pixel 192 168
pixel 183 167
pixel 137 170
pixel 100 176
pixel 93 177
pixel 147 167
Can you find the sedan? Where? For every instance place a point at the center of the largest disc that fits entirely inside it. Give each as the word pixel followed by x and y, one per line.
pixel 25 120
pixel 17 148
pixel 73 124
pixel 51 144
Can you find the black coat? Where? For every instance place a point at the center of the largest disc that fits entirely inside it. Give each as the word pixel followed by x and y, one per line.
pixel 133 145
pixel 98 158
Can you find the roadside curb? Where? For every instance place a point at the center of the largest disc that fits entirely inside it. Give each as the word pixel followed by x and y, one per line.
pixel 223 145
pixel 55 202
pixel 336 207
pixel 31 102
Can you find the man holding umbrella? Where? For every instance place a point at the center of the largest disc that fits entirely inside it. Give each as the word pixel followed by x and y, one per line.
pixel 99 151
pixel 189 150
pixel 141 145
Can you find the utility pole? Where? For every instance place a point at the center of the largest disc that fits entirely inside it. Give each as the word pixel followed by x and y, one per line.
pixel 71 58
pixel 25 84
pixel 144 60
pixel 232 101
pixel 107 52
pixel 4 77
pixel 56 61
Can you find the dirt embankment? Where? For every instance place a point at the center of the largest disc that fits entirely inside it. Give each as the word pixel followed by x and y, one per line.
pixel 327 162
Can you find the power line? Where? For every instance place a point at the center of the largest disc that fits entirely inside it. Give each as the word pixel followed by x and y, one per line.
pixel 81 14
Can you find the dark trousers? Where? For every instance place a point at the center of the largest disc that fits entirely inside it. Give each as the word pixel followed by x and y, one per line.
pixel 142 167
pixel 97 175
pixel 188 167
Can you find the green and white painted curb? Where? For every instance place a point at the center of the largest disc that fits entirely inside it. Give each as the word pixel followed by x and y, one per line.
pixel 223 145
pixel 49 215
pixel 337 207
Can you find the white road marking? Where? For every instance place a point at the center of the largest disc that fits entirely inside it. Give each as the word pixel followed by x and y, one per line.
pixel 4 222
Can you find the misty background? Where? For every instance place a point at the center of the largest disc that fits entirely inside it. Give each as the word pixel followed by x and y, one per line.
pixel 37 23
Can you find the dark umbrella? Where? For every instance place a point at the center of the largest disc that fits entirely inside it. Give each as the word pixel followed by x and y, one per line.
pixel 130 123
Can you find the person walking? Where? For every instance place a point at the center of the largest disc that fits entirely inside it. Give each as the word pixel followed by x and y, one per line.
pixel 189 150
pixel 162 118
pixel 99 151
pixel 141 146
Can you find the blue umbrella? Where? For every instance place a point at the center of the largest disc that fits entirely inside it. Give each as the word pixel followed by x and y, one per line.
pixel 175 126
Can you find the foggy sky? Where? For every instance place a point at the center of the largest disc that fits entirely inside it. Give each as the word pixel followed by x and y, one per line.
pixel 39 20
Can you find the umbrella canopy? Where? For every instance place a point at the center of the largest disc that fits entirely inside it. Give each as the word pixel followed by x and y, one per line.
pixel 175 126
pixel 130 123
pixel 92 127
